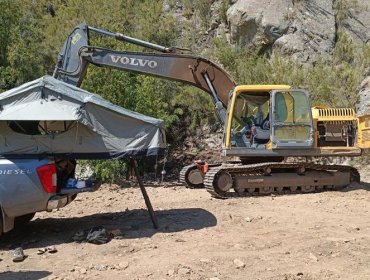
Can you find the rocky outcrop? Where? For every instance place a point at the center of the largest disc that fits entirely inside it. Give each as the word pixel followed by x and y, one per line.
pixel 258 23
pixel 311 33
pixel 363 98
pixel 305 30
pixel 301 29
pixel 356 22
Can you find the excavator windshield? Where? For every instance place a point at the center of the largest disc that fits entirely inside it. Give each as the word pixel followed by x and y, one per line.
pixel 250 119
pixel 252 107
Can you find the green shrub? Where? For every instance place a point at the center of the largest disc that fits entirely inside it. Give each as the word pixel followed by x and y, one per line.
pixel 110 171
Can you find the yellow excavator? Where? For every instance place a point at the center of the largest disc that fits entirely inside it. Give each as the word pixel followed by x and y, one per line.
pixel 263 124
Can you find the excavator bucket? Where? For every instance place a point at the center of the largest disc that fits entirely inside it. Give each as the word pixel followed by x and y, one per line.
pixel 70 67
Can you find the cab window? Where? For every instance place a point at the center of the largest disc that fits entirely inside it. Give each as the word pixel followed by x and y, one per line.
pixel 291 107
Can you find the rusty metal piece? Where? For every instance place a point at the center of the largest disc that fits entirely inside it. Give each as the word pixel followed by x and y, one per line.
pixel 202 165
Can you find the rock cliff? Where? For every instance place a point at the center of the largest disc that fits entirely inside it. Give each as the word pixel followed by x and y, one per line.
pixel 302 29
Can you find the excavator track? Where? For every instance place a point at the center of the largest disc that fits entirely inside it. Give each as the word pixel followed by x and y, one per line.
pixel 192 177
pixel 276 178
pixel 184 177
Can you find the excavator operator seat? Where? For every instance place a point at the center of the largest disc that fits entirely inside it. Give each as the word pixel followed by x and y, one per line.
pixel 262 128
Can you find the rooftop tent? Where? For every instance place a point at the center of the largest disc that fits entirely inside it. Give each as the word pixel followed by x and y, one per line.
pixel 48 117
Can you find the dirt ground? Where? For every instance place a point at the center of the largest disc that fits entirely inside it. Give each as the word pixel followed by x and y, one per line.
pixel 301 236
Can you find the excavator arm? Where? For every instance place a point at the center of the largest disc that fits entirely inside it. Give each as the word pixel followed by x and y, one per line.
pixel 166 63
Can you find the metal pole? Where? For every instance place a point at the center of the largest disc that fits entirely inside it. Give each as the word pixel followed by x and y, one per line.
pixel 145 195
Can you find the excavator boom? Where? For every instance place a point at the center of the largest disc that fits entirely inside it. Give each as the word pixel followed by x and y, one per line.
pixel 76 54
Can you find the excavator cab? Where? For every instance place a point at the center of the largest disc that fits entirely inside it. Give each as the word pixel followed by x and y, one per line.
pixel 268 117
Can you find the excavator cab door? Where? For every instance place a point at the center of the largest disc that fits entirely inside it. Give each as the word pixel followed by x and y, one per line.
pixel 291 120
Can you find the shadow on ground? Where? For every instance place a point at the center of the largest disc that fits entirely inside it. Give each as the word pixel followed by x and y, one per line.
pixel 357 186
pixel 20 275
pixel 132 223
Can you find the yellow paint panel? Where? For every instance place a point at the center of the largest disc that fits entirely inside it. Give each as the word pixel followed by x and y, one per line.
pixel 289 133
pixel 364 132
pixel 333 114
pixel 257 88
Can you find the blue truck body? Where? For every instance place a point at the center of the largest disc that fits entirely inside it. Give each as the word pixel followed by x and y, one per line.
pixel 28 186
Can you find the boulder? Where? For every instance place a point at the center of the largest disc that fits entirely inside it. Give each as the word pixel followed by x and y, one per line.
pixel 258 23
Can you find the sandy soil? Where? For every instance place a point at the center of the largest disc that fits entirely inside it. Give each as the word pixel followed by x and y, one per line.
pixel 301 236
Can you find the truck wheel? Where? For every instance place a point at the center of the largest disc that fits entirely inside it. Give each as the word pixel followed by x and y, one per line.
pixel 23 220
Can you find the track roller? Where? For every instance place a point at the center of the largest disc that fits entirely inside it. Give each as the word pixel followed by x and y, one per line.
pixel 223 182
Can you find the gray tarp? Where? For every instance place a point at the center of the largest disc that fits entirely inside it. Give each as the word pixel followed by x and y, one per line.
pixel 49 117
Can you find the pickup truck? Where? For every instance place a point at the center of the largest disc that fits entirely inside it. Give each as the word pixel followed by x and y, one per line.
pixel 28 186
